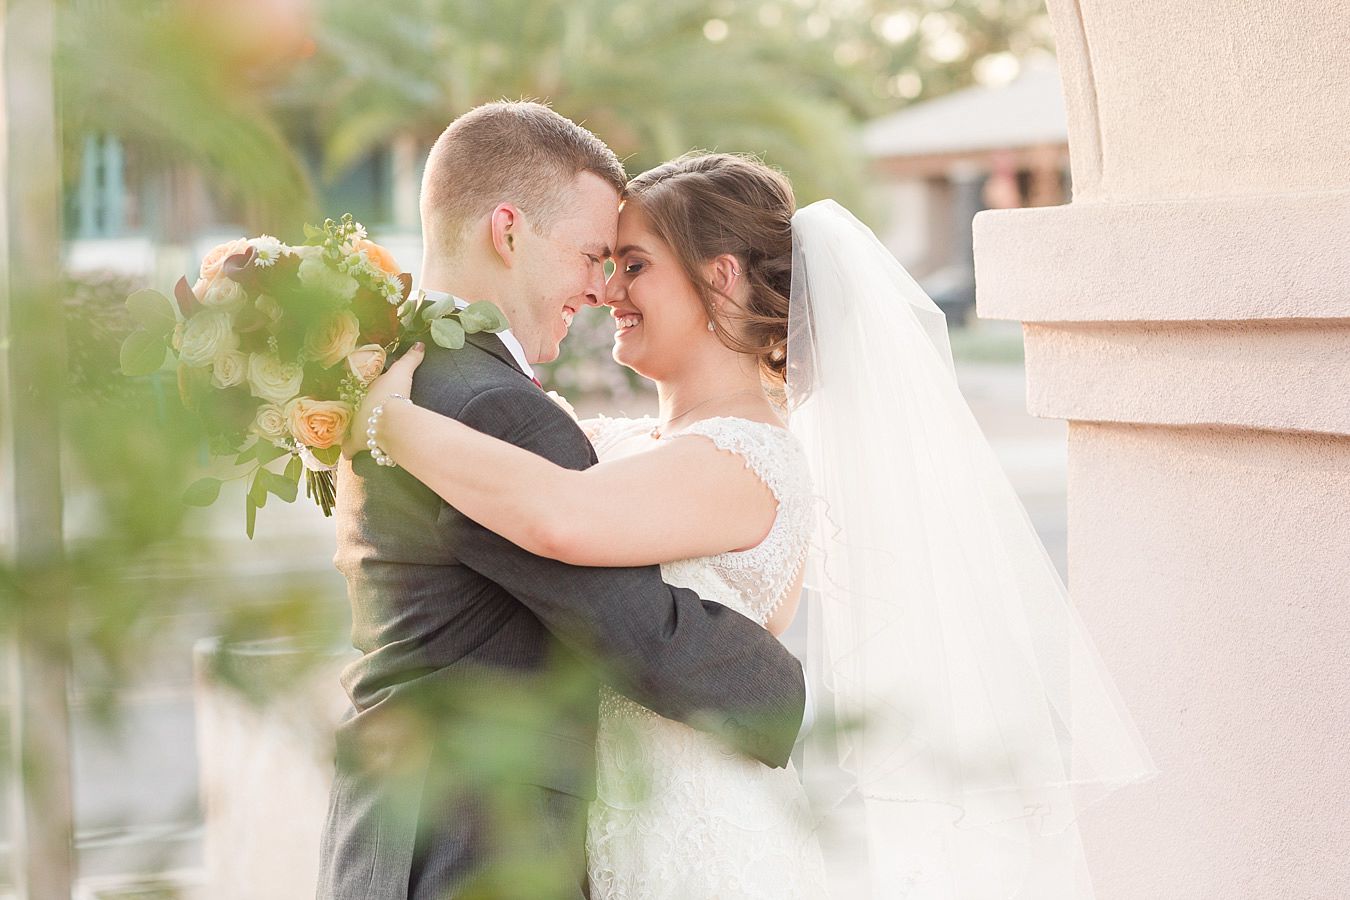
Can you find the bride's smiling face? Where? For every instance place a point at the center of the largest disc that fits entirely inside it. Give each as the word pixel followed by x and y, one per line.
pixel 657 313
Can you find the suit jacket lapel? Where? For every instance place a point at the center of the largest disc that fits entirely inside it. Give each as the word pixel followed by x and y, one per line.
pixel 492 345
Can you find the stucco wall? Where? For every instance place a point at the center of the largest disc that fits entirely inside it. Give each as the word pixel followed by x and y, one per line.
pixel 1189 314
pixel 1214 563
pixel 1171 99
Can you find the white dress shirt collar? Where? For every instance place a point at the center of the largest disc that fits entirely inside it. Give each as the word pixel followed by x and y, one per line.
pixel 513 345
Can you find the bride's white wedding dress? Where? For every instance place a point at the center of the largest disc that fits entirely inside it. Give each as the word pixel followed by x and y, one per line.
pixel 678 815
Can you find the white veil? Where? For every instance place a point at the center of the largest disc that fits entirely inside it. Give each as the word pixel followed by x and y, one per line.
pixel 936 620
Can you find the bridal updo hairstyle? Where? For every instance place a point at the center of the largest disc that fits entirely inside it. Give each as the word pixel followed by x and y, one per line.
pixel 704 205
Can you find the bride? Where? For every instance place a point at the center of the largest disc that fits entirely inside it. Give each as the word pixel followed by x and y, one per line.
pixel 969 717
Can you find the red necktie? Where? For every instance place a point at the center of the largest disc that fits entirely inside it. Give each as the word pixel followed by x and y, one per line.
pixel 536 382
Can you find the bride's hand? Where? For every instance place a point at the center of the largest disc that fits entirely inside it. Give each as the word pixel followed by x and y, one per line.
pixel 397 379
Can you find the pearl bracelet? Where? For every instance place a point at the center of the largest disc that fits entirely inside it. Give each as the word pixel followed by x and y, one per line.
pixel 381 458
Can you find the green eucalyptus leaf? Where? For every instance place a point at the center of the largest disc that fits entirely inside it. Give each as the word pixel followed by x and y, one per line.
pixel 280 486
pixel 251 517
pixel 153 312
pixel 447 333
pixel 266 451
pixel 312 232
pixel 142 353
pixel 329 455
pixel 202 492
pixel 438 309
pixel 482 316
pixel 257 491
pixel 247 453
pixel 294 469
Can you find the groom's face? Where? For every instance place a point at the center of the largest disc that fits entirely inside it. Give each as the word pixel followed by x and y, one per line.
pixel 564 268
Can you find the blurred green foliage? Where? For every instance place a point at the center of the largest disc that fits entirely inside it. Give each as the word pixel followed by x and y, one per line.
pixel 165 79
pixel 228 91
pixel 789 80
pixel 222 88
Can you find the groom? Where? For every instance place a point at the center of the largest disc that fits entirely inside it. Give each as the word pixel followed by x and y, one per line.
pixel 467 761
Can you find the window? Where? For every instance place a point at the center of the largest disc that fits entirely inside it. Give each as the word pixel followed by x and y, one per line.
pixel 97 207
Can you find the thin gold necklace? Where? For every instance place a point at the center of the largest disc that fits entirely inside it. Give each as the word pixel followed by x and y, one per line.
pixel 656 429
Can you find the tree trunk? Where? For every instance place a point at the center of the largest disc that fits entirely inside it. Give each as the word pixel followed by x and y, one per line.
pixel 32 371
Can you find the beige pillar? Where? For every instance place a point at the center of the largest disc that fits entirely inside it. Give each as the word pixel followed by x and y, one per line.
pixel 1189 314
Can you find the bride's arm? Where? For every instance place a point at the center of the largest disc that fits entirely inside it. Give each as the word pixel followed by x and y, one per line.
pixel 683 499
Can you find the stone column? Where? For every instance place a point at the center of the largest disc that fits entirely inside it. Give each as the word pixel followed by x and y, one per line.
pixel 1189 315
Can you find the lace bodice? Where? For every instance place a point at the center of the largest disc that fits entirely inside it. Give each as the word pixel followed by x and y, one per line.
pixel 759 578
pixel 678 815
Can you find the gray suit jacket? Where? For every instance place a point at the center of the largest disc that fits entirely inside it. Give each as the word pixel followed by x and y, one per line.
pixel 481 663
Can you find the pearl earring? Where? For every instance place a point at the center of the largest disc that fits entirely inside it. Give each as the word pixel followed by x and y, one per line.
pixel 711 326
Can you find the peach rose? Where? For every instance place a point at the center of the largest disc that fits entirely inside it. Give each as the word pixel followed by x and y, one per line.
pixel 378 257
pixel 318 423
pixel 216 256
pixel 270 423
pixel 366 362
pixel 333 339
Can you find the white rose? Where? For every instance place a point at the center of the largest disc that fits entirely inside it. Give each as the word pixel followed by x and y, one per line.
pixel 271 379
pixel 366 362
pixel 333 338
pixel 229 369
pixel 206 336
pixel 270 423
pixel 315 273
pixel 268 306
pixel 220 293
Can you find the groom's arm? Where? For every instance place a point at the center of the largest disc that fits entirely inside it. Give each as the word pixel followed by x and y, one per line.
pixel 683 657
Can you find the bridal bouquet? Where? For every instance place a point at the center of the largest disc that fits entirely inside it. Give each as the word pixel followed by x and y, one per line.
pixel 275 346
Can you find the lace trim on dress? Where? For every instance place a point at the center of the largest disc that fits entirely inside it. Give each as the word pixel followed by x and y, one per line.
pixel 765 573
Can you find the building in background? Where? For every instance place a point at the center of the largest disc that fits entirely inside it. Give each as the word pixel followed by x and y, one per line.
pixel 128 219
pixel 937 164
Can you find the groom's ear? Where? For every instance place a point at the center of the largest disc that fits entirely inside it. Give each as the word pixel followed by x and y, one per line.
pixel 505 223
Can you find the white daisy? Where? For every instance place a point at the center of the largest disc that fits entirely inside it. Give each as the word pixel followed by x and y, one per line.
pixel 266 250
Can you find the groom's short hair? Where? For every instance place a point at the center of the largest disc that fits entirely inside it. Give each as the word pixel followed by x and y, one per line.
pixel 519 152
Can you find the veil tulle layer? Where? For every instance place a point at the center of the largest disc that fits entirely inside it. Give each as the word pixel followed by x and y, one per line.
pixel 937 623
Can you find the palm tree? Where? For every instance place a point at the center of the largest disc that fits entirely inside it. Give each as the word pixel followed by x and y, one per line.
pixel 653 80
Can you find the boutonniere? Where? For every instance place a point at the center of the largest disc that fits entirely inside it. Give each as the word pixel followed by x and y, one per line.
pixel 445 323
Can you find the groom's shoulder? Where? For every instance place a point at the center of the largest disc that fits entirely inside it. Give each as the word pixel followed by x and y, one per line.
pixel 478 389
pixel 448 379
